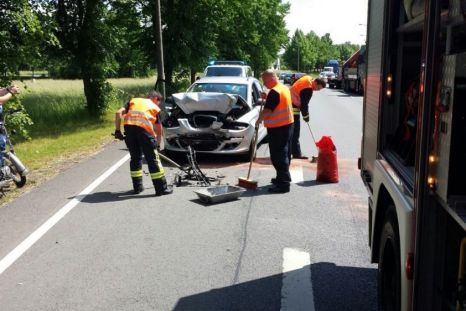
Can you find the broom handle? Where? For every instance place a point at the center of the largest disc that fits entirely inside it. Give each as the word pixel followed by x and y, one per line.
pixel 169 160
pixel 311 133
pixel 256 132
pixel 253 151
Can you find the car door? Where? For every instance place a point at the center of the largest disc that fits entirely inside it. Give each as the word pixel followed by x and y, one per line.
pixel 257 102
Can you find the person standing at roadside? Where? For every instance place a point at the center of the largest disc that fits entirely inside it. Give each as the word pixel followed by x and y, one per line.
pixel 278 119
pixel 301 93
pixel 7 93
pixel 141 134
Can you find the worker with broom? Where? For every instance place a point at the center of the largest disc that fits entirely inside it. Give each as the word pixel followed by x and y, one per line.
pixel 142 131
pixel 278 119
pixel 301 93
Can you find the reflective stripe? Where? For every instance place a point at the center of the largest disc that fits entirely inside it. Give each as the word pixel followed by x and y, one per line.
pixel 296 110
pixel 280 111
pixel 142 112
pixel 157 175
pixel 161 172
pixel 270 122
pixel 136 119
pixel 159 163
pixel 136 173
pixel 282 114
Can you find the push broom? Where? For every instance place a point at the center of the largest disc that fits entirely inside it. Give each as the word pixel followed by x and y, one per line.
pixel 313 159
pixel 246 182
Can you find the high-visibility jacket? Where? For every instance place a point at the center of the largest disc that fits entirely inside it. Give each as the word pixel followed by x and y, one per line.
pixel 305 82
pixel 142 112
pixel 282 114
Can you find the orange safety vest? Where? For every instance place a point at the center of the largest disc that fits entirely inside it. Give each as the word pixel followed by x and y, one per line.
pixel 283 113
pixel 305 82
pixel 142 112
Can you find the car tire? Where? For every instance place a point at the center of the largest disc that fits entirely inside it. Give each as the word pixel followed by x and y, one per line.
pixel 389 268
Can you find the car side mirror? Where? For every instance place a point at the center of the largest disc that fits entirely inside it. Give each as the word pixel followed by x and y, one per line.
pixel 259 102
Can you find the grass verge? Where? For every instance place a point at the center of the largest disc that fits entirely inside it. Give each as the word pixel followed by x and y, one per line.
pixel 63 133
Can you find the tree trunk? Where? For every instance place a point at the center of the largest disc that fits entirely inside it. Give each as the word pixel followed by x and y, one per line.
pixel 193 75
pixel 95 87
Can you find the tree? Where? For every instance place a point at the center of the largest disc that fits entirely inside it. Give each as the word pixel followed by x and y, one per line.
pixel 315 51
pixel 304 49
pixel 190 31
pixel 345 50
pixel 21 36
pixel 247 35
pixel 86 43
pixel 132 56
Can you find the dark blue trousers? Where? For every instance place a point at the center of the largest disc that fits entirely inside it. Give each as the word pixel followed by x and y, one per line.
pixel 295 145
pixel 280 152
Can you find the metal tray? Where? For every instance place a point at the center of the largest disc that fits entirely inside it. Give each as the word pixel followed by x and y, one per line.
pixel 219 193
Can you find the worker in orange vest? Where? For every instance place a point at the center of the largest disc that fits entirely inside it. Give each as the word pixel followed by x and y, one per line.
pixel 278 119
pixel 301 93
pixel 142 136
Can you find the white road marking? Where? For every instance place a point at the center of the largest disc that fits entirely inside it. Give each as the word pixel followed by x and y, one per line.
pixel 297 174
pixel 19 250
pixel 297 292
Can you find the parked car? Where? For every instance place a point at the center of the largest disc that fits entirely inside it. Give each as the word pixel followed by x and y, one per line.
pixel 216 115
pixel 326 75
pixel 295 76
pixel 228 70
pixel 287 78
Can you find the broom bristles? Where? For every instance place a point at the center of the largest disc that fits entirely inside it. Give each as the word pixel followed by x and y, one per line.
pixel 247 183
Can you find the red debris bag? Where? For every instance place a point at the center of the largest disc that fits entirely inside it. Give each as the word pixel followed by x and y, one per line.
pixel 327 168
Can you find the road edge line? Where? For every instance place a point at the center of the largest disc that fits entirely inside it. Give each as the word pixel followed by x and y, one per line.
pixel 19 250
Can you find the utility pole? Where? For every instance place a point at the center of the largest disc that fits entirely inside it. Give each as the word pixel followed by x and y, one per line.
pixel 298 56
pixel 159 43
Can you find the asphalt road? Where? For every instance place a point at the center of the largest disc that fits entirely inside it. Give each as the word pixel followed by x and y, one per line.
pixel 76 244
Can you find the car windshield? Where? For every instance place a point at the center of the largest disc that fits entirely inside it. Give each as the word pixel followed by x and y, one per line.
pixel 239 89
pixel 224 71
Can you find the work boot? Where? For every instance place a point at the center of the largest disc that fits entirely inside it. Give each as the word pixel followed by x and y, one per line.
pixel 167 190
pixel 161 187
pixel 137 185
pixel 138 189
pixel 276 182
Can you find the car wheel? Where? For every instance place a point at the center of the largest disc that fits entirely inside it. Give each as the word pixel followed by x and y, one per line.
pixel 389 269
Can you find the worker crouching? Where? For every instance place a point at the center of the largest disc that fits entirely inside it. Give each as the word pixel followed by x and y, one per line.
pixel 301 93
pixel 141 133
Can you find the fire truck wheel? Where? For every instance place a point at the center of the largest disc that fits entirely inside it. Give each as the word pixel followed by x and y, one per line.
pixel 389 270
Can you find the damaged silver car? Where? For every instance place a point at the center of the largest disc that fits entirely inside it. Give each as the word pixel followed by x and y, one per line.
pixel 216 115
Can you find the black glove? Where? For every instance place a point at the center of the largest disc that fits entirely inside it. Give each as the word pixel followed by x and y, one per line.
pixel 118 135
pixel 306 118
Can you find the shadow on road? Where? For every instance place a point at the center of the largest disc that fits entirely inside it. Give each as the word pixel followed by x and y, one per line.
pixel 310 183
pixel 106 196
pixel 334 288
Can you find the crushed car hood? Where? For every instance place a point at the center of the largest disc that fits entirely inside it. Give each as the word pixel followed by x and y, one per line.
pixel 195 102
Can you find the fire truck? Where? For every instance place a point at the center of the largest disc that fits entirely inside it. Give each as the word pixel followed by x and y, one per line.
pixel 413 153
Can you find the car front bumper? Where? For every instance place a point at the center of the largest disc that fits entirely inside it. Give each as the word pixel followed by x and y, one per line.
pixel 208 140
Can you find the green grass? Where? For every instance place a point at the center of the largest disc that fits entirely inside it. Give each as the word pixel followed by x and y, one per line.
pixel 58 106
pixel 62 128
pixel 37 73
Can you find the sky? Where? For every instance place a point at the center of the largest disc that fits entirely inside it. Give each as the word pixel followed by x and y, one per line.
pixel 345 20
